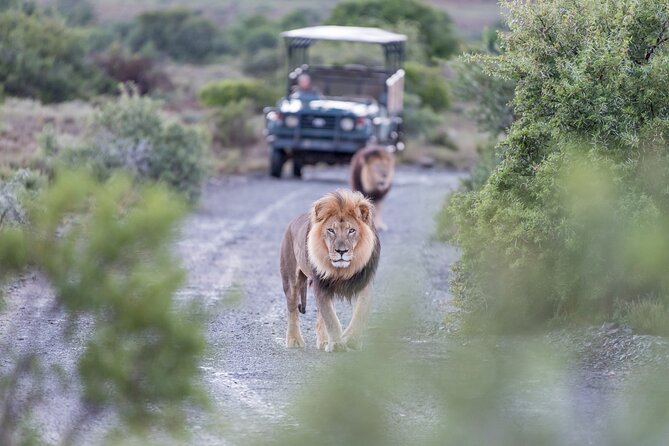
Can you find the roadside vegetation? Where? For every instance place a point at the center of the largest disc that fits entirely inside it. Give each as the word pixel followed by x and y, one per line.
pixel 104 248
pixel 569 225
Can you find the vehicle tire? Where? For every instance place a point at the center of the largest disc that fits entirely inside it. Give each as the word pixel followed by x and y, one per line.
pixel 277 159
pixel 297 167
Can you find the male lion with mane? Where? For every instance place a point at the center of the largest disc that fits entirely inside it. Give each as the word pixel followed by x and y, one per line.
pixel 336 249
pixel 372 172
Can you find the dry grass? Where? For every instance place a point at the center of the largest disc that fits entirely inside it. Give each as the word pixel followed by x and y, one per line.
pixel 463 153
pixel 22 121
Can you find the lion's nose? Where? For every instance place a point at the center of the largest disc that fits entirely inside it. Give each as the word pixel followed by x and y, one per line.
pixel 341 251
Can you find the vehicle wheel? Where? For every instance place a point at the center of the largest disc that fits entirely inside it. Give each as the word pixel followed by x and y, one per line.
pixel 277 159
pixel 297 168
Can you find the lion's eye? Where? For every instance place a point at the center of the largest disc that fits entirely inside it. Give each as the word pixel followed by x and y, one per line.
pixel 331 231
pixel 351 231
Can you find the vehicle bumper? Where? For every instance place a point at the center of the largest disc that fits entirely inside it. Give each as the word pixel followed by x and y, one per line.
pixel 318 145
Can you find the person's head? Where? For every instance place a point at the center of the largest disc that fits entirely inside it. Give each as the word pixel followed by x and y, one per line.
pixel 304 81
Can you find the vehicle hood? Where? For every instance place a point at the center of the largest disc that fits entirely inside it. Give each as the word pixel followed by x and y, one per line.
pixel 326 105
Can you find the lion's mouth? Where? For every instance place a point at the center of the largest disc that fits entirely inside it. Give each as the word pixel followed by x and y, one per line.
pixel 340 263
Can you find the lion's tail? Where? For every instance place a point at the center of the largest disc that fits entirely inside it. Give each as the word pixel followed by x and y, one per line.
pixel 302 306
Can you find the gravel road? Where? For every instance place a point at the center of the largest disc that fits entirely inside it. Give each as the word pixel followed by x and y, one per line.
pixel 229 246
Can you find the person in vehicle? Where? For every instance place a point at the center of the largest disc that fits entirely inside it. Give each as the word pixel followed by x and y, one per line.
pixel 305 91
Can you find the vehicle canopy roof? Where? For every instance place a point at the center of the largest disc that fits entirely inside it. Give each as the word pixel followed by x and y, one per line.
pixel 299 40
pixel 305 36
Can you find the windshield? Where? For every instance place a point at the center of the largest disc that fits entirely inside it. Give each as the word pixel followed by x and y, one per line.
pixel 354 106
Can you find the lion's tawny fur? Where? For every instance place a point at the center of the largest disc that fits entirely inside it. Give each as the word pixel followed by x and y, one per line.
pixel 336 248
pixel 342 204
pixel 372 172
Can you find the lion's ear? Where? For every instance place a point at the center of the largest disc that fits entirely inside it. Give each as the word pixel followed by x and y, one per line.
pixel 366 209
pixel 317 211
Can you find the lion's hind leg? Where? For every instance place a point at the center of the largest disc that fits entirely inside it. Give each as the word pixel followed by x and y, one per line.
pixel 294 299
pixel 378 220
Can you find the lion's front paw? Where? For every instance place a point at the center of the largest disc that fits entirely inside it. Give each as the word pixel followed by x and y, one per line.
pixel 335 347
pixel 295 341
pixel 352 342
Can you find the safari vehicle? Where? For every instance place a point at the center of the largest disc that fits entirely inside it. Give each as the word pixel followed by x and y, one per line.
pixel 347 107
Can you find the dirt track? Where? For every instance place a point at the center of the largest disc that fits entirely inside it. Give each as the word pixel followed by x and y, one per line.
pixel 230 248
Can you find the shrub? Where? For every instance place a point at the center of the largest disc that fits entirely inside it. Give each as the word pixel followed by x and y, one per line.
pixel 428 84
pixel 563 228
pixel 228 91
pixel 253 33
pixel 419 121
pixel 106 250
pixel 12 191
pixel 120 64
pixel 300 18
pixel 232 124
pixel 76 12
pixel 177 32
pixel 43 59
pixel 130 134
pixel 435 26
pixel 264 63
pixel 260 38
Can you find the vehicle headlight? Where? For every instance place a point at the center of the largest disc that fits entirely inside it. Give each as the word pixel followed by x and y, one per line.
pixel 291 121
pixel 347 124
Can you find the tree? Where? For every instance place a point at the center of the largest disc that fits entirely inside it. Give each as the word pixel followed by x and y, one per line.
pixel 178 32
pixel 435 26
pixel 43 59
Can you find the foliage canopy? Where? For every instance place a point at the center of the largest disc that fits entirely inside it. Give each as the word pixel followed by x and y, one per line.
pixel 590 99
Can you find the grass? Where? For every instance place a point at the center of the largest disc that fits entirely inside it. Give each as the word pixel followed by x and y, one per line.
pixel 23 120
pixel 647 316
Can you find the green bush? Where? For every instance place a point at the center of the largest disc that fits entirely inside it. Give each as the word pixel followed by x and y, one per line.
pixel 253 33
pixel 563 228
pixel 300 18
pixel 76 12
pixel 260 38
pixel 418 120
pixel 228 91
pixel 12 192
pixel 43 59
pixel 131 134
pixel 435 26
pixel 106 250
pixel 263 63
pixel 428 84
pixel 179 33
pixel 233 124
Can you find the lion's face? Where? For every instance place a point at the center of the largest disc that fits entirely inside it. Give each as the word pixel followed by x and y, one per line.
pixel 341 236
pixel 341 239
pixel 377 173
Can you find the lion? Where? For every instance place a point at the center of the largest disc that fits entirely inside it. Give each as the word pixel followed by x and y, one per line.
pixel 372 172
pixel 335 249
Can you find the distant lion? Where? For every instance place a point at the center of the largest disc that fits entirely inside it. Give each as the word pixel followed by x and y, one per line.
pixel 372 172
pixel 334 248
